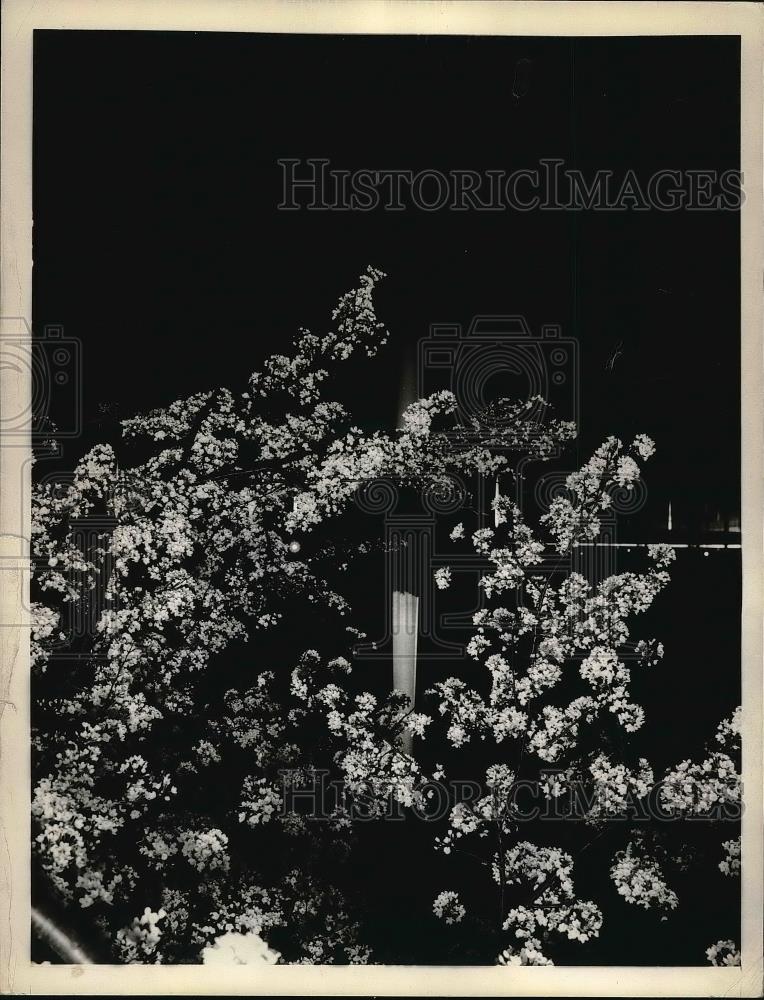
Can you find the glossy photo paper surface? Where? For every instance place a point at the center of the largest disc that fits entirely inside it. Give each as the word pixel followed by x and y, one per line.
pixel 380 444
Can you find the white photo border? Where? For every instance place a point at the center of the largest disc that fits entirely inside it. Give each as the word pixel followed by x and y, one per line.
pixel 502 17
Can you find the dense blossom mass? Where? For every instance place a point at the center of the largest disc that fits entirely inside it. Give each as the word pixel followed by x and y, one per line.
pixel 168 785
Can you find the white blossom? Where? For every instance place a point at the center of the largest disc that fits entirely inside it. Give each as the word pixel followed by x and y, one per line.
pixel 730 865
pixel 239 949
pixel 448 908
pixel 640 881
pixel 723 953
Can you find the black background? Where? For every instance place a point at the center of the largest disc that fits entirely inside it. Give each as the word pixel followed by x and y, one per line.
pixel 159 245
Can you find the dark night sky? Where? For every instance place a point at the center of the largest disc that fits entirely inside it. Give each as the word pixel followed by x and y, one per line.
pixel 158 242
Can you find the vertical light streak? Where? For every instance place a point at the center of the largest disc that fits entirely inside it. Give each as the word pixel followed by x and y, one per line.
pixel 498 517
pixel 405 627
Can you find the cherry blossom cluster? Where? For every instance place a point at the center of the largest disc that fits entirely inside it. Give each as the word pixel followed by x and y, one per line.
pixel 214 510
pixel 554 630
pixel 723 953
pixel 640 881
pixel 528 953
pixel 730 865
pixel 616 785
pixel 448 907
pixel 699 789
pixel 199 511
pixel 239 949
pixel 259 802
pixel 140 941
pixel 549 901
